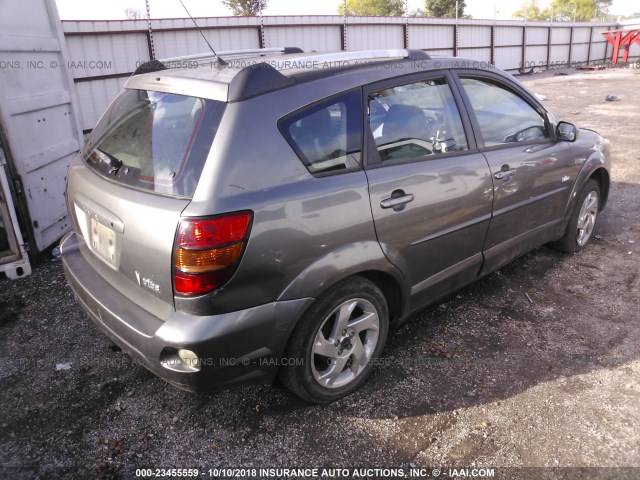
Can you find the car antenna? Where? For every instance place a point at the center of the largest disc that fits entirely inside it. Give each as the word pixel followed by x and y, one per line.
pixel 222 62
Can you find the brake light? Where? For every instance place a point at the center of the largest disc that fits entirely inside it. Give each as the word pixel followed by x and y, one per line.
pixel 207 252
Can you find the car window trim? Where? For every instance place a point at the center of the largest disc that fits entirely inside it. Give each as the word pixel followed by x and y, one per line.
pixel 375 161
pixel 512 87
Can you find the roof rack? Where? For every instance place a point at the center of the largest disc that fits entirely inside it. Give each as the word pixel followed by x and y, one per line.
pixel 410 54
pixel 250 52
pixel 157 65
pixel 364 55
pixel 260 77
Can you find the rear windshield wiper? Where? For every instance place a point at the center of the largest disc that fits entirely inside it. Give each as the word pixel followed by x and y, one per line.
pixel 113 163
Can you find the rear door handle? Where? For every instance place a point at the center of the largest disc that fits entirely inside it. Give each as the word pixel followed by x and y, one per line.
pixel 395 201
pixel 504 173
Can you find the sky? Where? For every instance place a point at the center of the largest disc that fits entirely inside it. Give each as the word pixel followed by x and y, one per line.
pixel 114 9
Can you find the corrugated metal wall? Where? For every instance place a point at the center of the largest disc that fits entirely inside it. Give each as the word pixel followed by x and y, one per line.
pixel 105 53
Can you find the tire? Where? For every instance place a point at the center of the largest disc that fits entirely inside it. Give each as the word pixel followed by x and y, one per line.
pixel 331 349
pixel 583 220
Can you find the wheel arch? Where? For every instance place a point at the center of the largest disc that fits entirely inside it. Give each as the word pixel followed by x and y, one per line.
pixel 595 169
pixel 394 294
pixel 388 285
pixel 365 259
pixel 601 176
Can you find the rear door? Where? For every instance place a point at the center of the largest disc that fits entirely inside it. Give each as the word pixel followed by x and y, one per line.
pixel 430 189
pixel 532 172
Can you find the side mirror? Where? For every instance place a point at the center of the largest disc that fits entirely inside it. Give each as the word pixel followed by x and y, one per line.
pixel 566 132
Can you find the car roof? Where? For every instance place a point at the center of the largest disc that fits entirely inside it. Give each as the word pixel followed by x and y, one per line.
pixel 238 75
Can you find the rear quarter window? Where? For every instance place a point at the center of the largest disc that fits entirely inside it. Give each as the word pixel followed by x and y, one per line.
pixel 327 136
pixel 154 141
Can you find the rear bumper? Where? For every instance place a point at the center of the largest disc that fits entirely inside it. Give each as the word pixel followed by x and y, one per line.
pixel 234 348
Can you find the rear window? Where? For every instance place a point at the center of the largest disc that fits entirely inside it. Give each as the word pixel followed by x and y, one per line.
pixel 154 141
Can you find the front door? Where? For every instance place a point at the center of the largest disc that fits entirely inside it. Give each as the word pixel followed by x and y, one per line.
pixel 532 172
pixel 430 189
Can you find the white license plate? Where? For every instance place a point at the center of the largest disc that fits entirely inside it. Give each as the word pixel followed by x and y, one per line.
pixel 103 241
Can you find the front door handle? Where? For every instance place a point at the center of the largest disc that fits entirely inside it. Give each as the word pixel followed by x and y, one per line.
pixel 395 201
pixel 504 173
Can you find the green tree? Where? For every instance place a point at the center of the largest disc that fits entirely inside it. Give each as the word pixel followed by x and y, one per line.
pixel 247 8
pixel 531 11
pixel 444 8
pixel 581 10
pixel 418 12
pixel 377 8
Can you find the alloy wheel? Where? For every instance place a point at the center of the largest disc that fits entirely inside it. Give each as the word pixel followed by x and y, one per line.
pixel 344 343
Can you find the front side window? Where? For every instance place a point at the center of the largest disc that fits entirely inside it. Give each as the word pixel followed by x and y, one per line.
pixel 502 115
pixel 327 136
pixel 154 141
pixel 416 120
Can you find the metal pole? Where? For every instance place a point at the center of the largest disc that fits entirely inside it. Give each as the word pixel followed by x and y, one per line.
pixel 263 40
pixel 493 35
pixel 406 24
pixel 524 44
pixel 550 38
pixel 152 51
pixel 456 33
pixel 344 27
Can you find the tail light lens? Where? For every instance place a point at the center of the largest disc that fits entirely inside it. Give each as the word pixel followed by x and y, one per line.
pixel 208 251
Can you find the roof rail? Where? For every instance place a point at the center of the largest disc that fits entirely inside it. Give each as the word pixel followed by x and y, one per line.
pixel 157 65
pixel 260 77
pixel 250 52
pixel 364 55
pixel 410 54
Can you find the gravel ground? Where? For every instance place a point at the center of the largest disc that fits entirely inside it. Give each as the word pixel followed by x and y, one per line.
pixel 537 365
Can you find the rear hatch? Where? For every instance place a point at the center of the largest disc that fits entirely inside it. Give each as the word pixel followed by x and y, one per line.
pixel 126 191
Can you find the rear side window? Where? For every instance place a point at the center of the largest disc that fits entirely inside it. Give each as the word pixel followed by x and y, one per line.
pixel 154 141
pixel 327 136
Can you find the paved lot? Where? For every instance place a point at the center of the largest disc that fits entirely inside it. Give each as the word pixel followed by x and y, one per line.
pixel 484 378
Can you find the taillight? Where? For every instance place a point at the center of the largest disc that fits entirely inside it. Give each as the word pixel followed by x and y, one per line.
pixel 208 251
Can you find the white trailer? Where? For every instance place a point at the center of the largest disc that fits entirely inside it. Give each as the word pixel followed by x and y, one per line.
pixel 39 131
